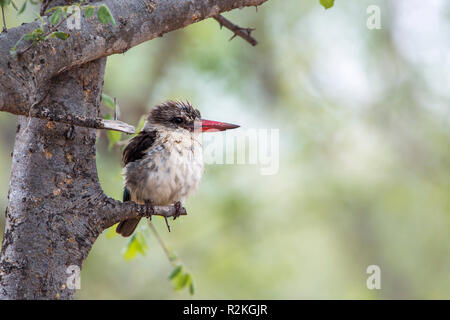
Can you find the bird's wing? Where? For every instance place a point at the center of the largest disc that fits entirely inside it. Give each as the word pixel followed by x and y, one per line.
pixel 126 195
pixel 137 146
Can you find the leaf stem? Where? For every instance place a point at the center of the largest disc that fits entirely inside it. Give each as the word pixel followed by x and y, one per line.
pixel 161 242
pixel 4 20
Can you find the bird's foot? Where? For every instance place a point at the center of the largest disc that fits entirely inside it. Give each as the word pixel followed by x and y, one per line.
pixel 177 209
pixel 149 210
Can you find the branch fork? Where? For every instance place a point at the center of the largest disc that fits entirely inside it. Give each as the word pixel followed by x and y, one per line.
pixel 244 33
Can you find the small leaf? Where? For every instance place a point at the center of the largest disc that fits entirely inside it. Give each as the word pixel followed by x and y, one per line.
pixel 50 10
pixel 12 51
pixel 4 3
pixel 182 280
pixel 108 101
pixel 188 279
pixel 140 125
pixel 89 11
pixel 28 37
pixel 327 4
pixel 113 137
pixel 175 271
pixel 105 15
pixel 41 20
pixel 191 288
pixel 14 6
pixel 136 244
pixel 111 232
pixel 64 11
pixel 55 17
pixel 60 35
pixel 22 9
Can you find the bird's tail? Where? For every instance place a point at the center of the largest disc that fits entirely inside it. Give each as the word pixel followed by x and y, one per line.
pixel 127 227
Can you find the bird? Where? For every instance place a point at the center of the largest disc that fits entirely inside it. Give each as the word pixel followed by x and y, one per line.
pixel 163 163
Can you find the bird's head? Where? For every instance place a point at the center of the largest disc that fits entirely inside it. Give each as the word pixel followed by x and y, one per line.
pixel 176 115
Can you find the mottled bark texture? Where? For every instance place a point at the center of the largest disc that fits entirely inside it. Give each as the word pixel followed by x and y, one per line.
pixel 51 222
pixel 56 206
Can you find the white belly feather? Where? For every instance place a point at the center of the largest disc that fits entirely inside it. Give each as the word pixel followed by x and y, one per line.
pixel 173 168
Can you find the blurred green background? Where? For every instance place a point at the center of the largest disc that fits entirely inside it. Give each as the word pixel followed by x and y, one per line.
pixel 364 174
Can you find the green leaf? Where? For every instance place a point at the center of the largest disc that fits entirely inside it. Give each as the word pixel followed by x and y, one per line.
pixel 28 37
pixel 111 232
pixel 140 125
pixel 12 51
pixel 188 279
pixel 108 101
pixel 136 244
pixel 22 9
pixel 14 6
pixel 105 15
pixel 51 10
pixel 60 35
pixel 41 20
pixel 191 288
pixel 113 137
pixel 175 271
pixel 327 4
pixel 89 11
pixel 55 17
pixel 182 280
pixel 4 3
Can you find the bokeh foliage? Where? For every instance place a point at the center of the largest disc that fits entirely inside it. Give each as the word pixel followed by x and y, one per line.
pixel 364 155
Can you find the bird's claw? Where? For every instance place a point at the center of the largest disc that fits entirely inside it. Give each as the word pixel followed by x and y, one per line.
pixel 178 207
pixel 177 210
pixel 149 210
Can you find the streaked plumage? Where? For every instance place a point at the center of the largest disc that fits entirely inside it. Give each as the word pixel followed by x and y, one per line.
pixel 163 164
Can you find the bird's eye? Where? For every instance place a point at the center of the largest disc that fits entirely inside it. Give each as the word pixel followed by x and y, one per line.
pixel 178 120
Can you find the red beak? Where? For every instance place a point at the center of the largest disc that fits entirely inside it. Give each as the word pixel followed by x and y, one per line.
pixel 212 126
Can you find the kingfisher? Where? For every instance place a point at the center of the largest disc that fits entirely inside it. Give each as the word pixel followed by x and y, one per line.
pixel 163 163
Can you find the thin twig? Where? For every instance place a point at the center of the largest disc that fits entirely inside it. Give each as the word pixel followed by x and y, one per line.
pixel 4 20
pixel 115 108
pixel 51 30
pixel 31 109
pixel 244 33
pixel 161 242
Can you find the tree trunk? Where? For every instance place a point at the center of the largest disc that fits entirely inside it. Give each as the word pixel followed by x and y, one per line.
pixel 56 207
pixel 50 220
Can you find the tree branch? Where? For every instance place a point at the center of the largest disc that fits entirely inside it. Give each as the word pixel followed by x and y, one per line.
pixel 244 33
pixel 111 211
pixel 137 21
pixel 81 121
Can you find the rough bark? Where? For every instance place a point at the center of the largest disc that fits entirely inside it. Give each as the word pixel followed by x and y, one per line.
pixel 51 220
pixel 56 207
